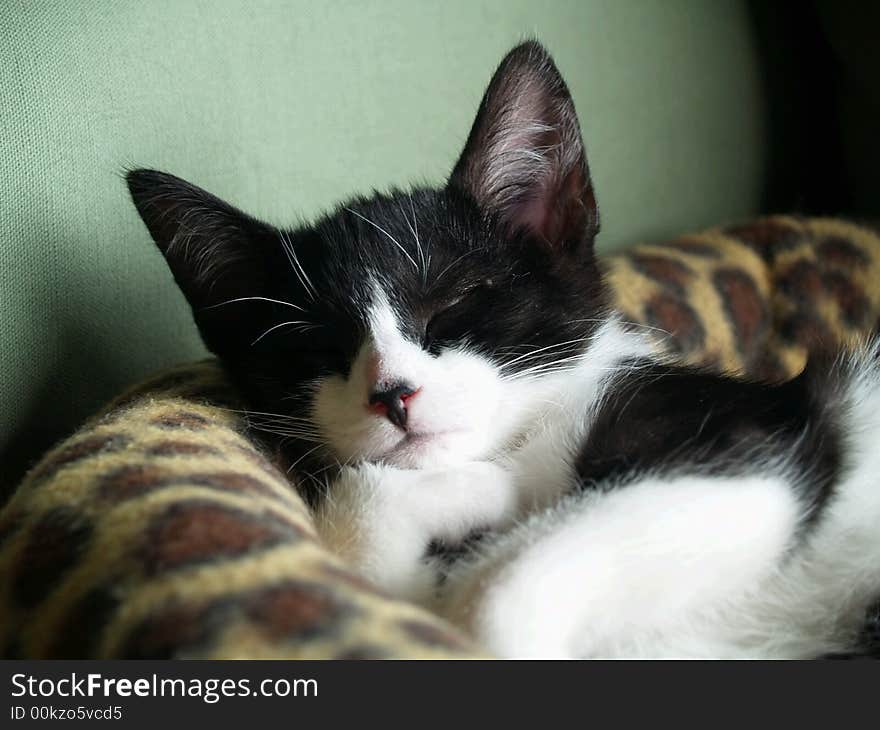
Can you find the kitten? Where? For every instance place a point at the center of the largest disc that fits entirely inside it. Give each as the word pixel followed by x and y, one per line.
pixel 443 362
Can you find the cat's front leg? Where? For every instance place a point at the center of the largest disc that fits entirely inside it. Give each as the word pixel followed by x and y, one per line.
pixel 382 519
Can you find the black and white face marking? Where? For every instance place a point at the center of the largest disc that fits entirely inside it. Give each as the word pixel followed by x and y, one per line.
pixel 410 328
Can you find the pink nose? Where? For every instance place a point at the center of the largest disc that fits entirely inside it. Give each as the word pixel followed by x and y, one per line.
pixel 392 403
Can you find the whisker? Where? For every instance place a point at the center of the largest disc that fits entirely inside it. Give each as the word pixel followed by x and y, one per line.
pixel 262 299
pixel 415 234
pixel 637 325
pixel 560 365
pixel 284 420
pixel 300 272
pixel 300 423
pixel 550 352
pixel 310 451
pixel 535 373
pixel 544 349
pixel 465 254
pixel 427 259
pixel 308 438
pixel 249 412
pixel 390 237
pixel 306 326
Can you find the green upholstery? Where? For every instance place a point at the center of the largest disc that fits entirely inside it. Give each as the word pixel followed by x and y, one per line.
pixel 284 107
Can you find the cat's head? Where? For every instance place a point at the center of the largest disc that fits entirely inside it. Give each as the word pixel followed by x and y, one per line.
pixel 413 328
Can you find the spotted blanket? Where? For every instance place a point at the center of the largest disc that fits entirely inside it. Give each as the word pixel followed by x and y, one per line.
pixel 163 529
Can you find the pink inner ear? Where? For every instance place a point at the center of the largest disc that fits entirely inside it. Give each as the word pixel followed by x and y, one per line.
pixel 524 160
pixel 533 215
pixel 556 213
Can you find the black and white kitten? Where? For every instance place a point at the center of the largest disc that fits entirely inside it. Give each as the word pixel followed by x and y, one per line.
pixel 444 362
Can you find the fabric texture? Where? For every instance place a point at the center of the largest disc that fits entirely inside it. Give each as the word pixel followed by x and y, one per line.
pixel 284 107
pixel 163 529
pixel 160 530
pixel 754 299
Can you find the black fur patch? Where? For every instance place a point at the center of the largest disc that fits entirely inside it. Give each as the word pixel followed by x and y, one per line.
pixel 664 419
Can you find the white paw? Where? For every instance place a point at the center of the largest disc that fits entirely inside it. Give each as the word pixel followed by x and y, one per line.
pixel 454 502
pixel 382 519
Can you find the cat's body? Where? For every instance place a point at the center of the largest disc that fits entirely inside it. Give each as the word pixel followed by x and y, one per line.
pixel 443 364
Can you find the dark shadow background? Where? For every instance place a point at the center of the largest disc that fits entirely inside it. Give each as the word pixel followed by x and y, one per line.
pixel 821 62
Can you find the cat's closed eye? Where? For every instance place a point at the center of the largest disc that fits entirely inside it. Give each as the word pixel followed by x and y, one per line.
pixel 450 321
pixel 434 330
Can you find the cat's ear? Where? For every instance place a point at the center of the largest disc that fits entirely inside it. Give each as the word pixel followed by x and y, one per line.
pixel 215 252
pixel 524 160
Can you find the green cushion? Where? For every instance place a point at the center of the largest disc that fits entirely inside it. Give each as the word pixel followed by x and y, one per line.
pixel 283 107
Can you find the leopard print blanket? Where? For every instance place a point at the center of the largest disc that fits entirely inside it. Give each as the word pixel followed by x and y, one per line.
pixel 162 529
